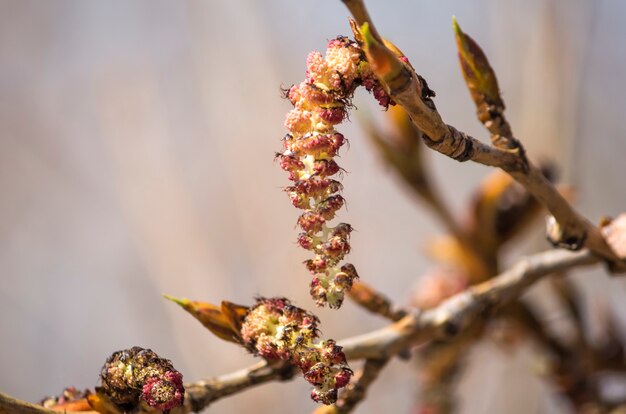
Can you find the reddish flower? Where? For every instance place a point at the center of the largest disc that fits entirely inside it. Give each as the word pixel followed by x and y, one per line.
pixel 320 103
pixel 276 329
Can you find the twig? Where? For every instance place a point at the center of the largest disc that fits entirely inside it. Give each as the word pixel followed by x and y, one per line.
pixel 10 405
pixel 202 393
pixel 407 160
pixel 409 90
pixel 457 312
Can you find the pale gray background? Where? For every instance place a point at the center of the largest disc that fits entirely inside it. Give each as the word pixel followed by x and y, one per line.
pixel 136 145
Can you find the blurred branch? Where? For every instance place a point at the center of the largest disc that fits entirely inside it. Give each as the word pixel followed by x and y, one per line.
pixel 407 158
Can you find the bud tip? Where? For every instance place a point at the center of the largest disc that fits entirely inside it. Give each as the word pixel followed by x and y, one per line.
pixel 182 301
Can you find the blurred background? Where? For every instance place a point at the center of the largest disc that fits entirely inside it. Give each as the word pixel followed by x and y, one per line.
pixel 136 158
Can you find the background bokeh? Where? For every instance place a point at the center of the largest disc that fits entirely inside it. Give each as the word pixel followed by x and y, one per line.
pixel 136 147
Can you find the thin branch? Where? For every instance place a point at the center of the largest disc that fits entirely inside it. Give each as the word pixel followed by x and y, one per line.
pixel 410 90
pixel 10 405
pixel 460 310
pixel 407 160
pixel 202 393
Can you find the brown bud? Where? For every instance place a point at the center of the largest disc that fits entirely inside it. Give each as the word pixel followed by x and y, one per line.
pixel 135 375
pixel 211 317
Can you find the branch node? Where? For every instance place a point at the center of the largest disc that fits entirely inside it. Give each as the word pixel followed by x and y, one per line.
pixel 558 238
pixel 456 145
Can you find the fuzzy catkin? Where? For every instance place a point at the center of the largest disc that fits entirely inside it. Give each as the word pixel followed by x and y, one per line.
pixel 276 329
pixel 136 375
pixel 320 103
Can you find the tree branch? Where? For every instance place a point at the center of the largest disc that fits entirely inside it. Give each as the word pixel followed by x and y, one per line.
pixel 10 405
pixel 410 91
pixel 460 310
pixel 202 393
pixel 442 322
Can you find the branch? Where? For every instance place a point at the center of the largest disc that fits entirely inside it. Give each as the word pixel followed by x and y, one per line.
pixel 442 322
pixel 202 393
pixel 456 313
pixel 404 153
pixel 411 91
pixel 10 405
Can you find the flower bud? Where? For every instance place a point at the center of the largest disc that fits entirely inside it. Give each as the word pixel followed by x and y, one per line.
pixel 478 73
pixel 211 317
pixel 311 222
pixel 320 103
pixel 274 328
pixel 325 168
pixel 324 397
pixel 316 265
pixel 135 375
pixel 330 206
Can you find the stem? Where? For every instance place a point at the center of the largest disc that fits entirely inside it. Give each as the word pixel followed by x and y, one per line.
pixel 459 311
pixel 406 88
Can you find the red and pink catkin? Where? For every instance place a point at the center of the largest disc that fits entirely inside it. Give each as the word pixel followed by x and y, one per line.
pixel 136 376
pixel 320 103
pixel 275 329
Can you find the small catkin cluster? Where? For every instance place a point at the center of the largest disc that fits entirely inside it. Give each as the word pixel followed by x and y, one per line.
pixel 320 103
pixel 275 329
pixel 135 375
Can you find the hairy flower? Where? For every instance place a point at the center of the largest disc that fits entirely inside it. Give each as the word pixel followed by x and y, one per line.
pixel 137 375
pixel 276 329
pixel 320 103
